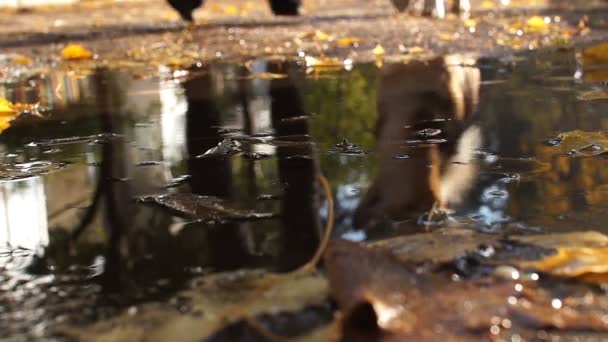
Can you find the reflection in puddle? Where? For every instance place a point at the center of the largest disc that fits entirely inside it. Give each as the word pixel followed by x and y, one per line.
pixel 397 142
pixel 24 220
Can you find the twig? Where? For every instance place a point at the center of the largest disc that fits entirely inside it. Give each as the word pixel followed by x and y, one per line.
pixel 329 226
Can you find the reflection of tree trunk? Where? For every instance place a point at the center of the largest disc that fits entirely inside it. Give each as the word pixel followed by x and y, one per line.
pixel 117 206
pixel 299 210
pixel 211 176
pixel 245 96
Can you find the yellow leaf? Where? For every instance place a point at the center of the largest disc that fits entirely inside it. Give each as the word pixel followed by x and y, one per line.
pixel 75 52
pixel 581 143
pixel 22 60
pixel 582 255
pixel 322 36
pixel 378 50
pixel 446 37
pixel 536 23
pixel 416 50
pixel 231 10
pixel 487 4
pixel 470 23
pixel 6 107
pixel 348 41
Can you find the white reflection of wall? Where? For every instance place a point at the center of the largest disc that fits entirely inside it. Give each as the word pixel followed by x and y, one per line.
pixel 23 216
pixel 173 121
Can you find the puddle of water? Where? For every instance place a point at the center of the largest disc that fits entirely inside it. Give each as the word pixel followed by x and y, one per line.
pixel 394 143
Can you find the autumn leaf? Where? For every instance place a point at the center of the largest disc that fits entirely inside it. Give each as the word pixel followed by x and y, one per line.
pixel 76 52
pixel 378 51
pixel 487 4
pixel 348 41
pixel 203 208
pixel 21 60
pixel 6 107
pixel 536 23
pixel 9 110
pixel 581 143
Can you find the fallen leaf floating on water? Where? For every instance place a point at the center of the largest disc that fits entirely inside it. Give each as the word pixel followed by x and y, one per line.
pixel 204 208
pixel 383 299
pixel 6 107
pixel 378 51
pixel 345 147
pixel 581 143
pixel 76 52
pixel 9 111
pixel 21 60
pixel 315 35
pixel 224 148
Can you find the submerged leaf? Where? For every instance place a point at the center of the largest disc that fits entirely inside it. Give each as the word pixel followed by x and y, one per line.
pixel 6 108
pixel 224 148
pixel 537 23
pixel 348 41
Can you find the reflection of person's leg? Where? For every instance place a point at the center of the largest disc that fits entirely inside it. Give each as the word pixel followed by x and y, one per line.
pixel 210 176
pixel 285 7
pixel 297 169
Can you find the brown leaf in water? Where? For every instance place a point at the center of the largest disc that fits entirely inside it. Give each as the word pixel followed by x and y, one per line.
pixel 581 143
pixel 76 52
pixel 204 208
pixel 384 299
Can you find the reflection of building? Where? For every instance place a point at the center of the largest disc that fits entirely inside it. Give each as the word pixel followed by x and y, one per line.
pixel 23 213
pixel 23 218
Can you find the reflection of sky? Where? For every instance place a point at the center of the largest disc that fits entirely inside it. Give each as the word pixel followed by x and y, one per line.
pixel 172 121
pixel 23 215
